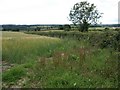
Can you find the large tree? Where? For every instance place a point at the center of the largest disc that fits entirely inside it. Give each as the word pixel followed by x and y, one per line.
pixel 83 14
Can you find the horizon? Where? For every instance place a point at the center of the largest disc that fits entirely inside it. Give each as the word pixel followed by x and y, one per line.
pixel 60 24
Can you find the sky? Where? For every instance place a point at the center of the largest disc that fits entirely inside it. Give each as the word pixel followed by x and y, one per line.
pixel 51 11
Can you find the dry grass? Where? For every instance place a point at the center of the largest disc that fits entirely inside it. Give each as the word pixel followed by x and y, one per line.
pixel 21 35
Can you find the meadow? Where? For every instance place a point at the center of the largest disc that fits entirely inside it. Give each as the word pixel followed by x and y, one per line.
pixel 46 61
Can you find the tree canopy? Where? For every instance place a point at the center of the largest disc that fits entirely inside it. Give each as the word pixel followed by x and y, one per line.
pixel 83 14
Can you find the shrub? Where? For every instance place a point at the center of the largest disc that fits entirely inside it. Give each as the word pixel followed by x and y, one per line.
pixel 67 27
pixel 117 41
pixel 60 27
pixel 37 29
pixel 117 29
pixel 106 28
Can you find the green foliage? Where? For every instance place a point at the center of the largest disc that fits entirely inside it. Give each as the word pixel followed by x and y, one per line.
pixel 79 62
pixel 73 57
pixel 106 28
pixel 67 27
pixel 18 50
pixel 13 74
pixel 69 71
pixel 60 27
pixel 37 28
pixel 107 39
pixel 117 29
pixel 83 14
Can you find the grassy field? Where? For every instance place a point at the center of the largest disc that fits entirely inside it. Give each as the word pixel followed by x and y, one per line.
pixel 46 62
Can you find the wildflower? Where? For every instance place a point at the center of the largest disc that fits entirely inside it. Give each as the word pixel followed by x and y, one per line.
pixel 75 84
pixel 62 54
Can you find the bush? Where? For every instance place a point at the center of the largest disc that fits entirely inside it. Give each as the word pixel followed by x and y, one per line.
pixel 117 41
pixel 60 27
pixel 37 29
pixel 117 29
pixel 112 40
pixel 67 27
pixel 106 28
pixel 105 40
pixel 16 30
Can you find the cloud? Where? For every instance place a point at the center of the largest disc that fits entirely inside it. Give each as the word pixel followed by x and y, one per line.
pixel 50 11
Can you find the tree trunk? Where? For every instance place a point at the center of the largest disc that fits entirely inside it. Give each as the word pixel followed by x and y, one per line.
pixel 84 27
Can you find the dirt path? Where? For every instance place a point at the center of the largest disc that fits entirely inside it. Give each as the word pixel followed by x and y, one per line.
pixel 6 65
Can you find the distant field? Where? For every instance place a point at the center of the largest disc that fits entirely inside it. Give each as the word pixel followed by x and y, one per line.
pixel 20 35
pixel 34 61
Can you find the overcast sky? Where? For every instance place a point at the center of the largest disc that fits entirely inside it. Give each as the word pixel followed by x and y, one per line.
pixel 51 11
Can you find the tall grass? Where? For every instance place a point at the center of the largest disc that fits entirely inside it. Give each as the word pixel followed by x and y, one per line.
pixel 17 50
pixel 80 67
pixel 61 63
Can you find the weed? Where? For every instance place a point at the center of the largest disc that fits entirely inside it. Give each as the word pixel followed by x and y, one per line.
pixel 13 74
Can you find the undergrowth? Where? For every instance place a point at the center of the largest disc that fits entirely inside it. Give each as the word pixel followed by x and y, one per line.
pixel 60 63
